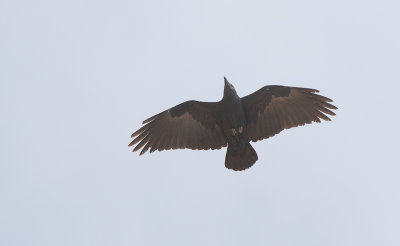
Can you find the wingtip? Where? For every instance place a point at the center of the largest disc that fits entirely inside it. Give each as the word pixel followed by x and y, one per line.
pixel 152 118
pixel 309 90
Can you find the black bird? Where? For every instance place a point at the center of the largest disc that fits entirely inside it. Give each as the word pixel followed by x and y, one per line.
pixel 233 121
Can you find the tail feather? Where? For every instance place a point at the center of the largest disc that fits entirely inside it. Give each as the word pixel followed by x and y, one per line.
pixel 240 159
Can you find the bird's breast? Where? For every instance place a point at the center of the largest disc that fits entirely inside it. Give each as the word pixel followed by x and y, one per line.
pixel 234 122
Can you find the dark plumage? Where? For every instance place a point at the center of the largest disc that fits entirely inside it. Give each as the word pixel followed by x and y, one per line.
pixel 233 121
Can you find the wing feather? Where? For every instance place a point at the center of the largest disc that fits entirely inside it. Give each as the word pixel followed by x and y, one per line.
pixel 275 108
pixel 192 125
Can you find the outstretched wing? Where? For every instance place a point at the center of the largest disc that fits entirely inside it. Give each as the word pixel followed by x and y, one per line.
pixel 192 125
pixel 275 108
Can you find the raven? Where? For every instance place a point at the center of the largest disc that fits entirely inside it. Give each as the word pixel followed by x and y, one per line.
pixel 233 121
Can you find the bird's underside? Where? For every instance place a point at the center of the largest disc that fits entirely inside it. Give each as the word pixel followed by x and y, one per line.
pixel 232 122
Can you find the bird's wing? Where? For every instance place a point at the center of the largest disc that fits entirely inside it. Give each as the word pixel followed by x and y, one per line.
pixel 192 125
pixel 275 108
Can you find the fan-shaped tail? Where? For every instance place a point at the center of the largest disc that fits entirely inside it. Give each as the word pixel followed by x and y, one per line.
pixel 239 159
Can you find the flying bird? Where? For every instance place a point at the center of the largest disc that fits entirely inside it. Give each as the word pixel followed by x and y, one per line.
pixel 234 122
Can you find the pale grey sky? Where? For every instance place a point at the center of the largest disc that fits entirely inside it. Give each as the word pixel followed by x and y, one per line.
pixel 78 77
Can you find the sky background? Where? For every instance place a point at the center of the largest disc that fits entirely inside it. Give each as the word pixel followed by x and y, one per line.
pixel 78 77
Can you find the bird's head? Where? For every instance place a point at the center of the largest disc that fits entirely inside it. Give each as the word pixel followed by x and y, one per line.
pixel 229 89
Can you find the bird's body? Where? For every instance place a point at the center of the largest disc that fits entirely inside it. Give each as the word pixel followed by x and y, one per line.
pixel 232 122
pixel 234 127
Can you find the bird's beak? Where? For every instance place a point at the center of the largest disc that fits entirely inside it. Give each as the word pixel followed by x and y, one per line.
pixel 226 81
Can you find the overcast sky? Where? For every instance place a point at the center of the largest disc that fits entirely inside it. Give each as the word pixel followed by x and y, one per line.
pixel 78 77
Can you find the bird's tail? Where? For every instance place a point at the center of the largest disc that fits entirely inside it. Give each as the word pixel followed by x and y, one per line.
pixel 240 159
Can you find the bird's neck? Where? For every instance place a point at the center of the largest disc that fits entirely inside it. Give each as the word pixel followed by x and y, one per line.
pixel 230 94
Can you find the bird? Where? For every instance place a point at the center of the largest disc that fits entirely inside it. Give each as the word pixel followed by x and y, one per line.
pixel 233 122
